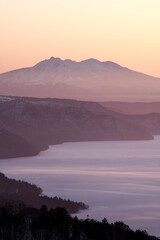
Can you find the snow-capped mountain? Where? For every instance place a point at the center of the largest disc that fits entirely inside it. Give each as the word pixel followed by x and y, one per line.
pixel 86 80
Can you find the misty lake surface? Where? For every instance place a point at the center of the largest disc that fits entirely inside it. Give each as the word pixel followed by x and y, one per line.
pixel 119 180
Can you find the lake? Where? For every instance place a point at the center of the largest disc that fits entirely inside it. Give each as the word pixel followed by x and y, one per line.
pixel 119 180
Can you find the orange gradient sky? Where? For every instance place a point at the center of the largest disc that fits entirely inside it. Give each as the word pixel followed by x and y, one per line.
pixel 122 31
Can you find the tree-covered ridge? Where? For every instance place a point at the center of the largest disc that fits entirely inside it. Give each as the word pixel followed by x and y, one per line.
pixel 57 224
pixel 30 125
pixel 13 193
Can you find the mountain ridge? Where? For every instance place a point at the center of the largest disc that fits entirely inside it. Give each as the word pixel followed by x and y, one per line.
pixel 108 63
pixel 88 80
pixel 43 122
pixel 133 108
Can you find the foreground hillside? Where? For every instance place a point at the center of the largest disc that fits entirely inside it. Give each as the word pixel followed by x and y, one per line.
pixel 23 216
pixel 14 194
pixel 43 122
pixel 33 224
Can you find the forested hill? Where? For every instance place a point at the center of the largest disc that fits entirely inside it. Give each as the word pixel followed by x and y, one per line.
pixel 57 224
pixel 14 193
pixel 43 122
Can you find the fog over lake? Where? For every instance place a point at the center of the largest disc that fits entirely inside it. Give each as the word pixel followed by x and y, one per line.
pixel 119 180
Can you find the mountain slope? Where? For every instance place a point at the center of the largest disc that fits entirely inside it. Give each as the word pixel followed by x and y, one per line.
pixel 44 122
pixel 86 80
pixel 151 122
pixel 133 108
pixel 12 145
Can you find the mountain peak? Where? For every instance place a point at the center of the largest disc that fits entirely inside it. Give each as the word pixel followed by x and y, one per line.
pixel 48 62
pixel 91 61
pixel 55 59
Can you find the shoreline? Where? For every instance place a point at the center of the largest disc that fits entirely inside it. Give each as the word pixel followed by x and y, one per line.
pixel 59 143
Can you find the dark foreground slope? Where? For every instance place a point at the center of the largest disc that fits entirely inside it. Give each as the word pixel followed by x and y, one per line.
pixel 43 122
pixel 32 224
pixel 23 218
pixel 15 193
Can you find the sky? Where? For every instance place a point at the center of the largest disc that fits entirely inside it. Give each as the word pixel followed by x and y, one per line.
pixel 123 31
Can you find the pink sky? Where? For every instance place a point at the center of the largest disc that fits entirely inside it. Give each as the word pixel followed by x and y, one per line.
pixel 122 31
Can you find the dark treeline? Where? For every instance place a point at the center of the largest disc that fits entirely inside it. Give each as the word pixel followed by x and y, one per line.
pixel 14 193
pixel 21 217
pixel 57 224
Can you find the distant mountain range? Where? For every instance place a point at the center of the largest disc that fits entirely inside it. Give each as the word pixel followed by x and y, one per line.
pixel 30 125
pixel 89 80
pixel 133 108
